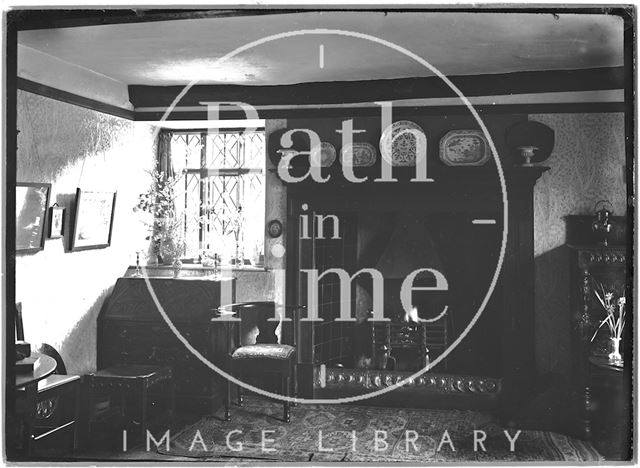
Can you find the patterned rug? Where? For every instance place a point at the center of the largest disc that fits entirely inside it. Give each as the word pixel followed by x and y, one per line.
pixel 325 433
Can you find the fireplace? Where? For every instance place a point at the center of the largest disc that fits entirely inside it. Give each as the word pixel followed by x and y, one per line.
pixel 396 243
pixel 396 229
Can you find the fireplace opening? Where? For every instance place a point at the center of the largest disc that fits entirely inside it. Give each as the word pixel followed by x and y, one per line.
pixel 397 243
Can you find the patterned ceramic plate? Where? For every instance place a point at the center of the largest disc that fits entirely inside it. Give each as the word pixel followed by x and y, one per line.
pixel 407 142
pixel 327 154
pixel 464 148
pixel 358 155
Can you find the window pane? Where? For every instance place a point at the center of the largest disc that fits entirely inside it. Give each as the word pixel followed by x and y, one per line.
pixel 254 196
pixel 222 210
pixel 254 152
pixel 223 150
pixel 186 150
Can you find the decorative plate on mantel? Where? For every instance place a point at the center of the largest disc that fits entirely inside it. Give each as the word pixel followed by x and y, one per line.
pixel 328 154
pixel 464 148
pixel 405 147
pixel 358 155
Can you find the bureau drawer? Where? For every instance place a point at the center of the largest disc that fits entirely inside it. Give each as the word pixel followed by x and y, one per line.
pixel 156 354
pixel 150 334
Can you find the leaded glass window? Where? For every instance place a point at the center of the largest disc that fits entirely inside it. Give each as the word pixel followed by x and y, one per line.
pixel 223 201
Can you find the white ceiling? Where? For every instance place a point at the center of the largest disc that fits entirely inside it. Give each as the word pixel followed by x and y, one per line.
pixel 175 52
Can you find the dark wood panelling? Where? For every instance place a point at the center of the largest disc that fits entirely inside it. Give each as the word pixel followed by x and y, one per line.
pixel 512 304
pixel 460 190
pixel 434 126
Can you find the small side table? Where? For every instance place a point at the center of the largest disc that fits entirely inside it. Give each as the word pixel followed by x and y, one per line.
pixel 610 409
pixel 134 380
pixel 43 367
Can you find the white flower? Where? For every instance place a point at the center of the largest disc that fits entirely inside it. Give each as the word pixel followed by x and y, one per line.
pixel 622 301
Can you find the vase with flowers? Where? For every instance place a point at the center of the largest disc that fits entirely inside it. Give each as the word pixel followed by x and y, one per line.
pixel 236 224
pixel 167 227
pixel 615 309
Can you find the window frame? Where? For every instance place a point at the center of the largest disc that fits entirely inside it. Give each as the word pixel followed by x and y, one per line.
pixel 204 172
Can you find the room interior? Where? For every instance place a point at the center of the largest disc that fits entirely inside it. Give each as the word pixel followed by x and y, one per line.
pixel 157 232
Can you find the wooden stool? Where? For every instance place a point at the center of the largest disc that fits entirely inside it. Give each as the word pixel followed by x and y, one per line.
pixel 133 379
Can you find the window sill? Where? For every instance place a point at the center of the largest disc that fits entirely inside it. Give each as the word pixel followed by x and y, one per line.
pixel 199 268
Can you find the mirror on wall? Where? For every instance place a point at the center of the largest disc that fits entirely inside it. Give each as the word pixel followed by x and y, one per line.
pixel 32 201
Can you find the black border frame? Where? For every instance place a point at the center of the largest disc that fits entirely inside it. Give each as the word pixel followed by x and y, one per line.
pixel 64 16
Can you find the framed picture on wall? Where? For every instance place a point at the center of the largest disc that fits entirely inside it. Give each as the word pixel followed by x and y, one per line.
pixel 93 220
pixel 56 221
pixel 32 201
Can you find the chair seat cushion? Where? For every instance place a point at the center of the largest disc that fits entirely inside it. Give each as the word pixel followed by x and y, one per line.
pixel 264 351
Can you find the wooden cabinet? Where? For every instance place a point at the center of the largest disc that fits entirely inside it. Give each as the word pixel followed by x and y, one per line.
pixel 610 409
pixel 606 265
pixel 132 330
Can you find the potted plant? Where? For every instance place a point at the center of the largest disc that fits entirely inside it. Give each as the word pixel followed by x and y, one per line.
pixel 166 230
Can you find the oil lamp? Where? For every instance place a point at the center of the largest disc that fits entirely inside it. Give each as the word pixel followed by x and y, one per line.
pixel 601 225
pixel 527 152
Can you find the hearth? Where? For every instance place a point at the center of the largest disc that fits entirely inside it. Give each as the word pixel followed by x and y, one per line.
pixel 397 244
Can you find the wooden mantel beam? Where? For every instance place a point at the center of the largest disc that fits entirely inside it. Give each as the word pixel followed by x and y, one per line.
pixel 142 96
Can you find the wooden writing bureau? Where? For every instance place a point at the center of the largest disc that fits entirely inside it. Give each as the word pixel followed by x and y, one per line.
pixel 131 330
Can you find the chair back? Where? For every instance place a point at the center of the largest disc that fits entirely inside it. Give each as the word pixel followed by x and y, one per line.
pixel 258 325
pixel 255 326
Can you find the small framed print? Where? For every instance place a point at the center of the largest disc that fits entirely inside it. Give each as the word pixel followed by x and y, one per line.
pixel 93 220
pixel 56 222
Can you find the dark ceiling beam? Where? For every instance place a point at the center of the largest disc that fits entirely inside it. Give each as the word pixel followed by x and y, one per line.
pixel 401 112
pixel 328 112
pixel 71 98
pixel 377 90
